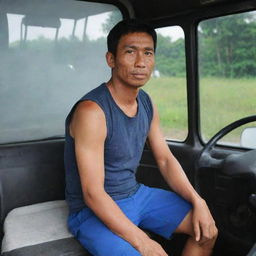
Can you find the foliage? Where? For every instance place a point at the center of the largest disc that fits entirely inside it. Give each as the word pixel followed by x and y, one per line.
pixel 113 18
pixel 227 46
pixel 170 56
pixel 223 52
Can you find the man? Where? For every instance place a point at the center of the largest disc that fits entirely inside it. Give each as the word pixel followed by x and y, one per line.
pixel 105 135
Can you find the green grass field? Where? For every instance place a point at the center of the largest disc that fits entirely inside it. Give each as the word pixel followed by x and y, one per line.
pixel 222 102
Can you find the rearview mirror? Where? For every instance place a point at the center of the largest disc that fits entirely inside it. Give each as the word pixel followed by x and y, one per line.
pixel 248 137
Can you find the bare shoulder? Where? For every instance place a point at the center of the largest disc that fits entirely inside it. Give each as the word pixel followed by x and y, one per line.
pixel 88 107
pixel 88 115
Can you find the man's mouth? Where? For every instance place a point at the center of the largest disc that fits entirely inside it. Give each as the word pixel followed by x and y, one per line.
pixel 139 75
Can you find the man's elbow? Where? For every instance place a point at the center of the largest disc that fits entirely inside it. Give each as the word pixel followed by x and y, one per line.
pixel 92 195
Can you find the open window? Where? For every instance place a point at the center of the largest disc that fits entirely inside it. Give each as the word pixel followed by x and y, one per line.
pixel 167 86
pixel 227 63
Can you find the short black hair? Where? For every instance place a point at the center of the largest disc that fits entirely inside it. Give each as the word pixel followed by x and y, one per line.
pixel 125 27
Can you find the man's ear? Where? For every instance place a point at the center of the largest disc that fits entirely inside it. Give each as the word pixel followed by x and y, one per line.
pixel 110 58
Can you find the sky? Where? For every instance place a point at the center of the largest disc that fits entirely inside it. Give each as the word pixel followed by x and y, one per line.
pixel 93 29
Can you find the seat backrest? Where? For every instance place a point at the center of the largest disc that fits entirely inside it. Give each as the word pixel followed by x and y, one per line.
pixel 30 173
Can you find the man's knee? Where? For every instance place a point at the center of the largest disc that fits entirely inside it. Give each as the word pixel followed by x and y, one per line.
pixel 208 242
pixel 186 227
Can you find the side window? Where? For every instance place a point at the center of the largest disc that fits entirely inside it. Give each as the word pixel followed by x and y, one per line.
pixel 227 65
pixel 167 86
pixel 49 60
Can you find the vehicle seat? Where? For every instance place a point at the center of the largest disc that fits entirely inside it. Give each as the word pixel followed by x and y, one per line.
pixel 39 229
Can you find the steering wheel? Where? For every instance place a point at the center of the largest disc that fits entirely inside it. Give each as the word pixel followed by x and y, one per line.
pixel 234 165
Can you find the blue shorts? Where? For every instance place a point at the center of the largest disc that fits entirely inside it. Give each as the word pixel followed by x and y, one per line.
pixel 156 210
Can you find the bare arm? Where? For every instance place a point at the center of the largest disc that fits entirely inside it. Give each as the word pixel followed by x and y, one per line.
pixel 168 165
pixel 177 180
pixel 88 128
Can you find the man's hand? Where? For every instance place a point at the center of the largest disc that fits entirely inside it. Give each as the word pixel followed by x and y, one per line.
pixel 149 247
pixel 203 223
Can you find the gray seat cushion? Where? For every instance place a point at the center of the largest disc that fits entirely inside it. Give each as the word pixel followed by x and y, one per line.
pixel 62 247
pixel 39 228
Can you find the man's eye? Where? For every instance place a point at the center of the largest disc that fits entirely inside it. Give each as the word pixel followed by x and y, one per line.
pixel 149 53
pixel 130 51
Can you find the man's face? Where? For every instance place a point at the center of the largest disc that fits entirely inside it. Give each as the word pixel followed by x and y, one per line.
pixel 134 60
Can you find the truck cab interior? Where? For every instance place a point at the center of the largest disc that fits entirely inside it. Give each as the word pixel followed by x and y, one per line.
pixel 53 52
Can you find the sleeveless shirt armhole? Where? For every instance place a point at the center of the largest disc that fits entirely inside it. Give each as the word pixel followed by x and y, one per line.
pixel 69 117
pixel 151 108
pixel 149 105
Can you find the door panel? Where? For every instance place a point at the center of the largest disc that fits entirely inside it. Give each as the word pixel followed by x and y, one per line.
pixel 149 174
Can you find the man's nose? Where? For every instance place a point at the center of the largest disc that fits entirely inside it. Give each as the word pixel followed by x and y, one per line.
pixel 140 60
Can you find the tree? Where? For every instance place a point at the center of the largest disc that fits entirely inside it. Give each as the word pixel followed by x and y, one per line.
pixel 113 18
pixel 170 56
pixel 227 46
